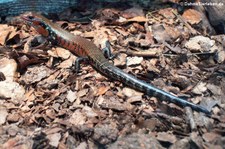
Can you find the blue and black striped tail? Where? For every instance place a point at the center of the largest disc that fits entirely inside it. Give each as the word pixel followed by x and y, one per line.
pixel 115 73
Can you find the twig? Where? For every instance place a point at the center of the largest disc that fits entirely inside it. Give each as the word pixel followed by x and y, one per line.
pixel 142 53
pixel 189 54
pixel 193 31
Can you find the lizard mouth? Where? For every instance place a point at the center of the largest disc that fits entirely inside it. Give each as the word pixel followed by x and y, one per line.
pixel 27 17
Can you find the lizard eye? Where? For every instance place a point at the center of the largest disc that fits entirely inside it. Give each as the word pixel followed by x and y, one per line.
pixel 31 17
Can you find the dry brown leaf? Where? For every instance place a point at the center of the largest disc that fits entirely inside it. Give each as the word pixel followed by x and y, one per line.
pixel 12 90
pixel 54 139
pixel 82 145
pixel 8 67
pixel 71 96
pixel 89 112
pixel 174 33
pixel 220 58
pixel 102 90
pixel 167 13
pixel 115 106
pixel 18 142
pixel 82 92
pixel 166 137
pixel 134 60
pixel 122 31
pixel 63 53
pixel 132 12
pixel 67 63
pixel 77 33
pixel 133 99
pixel 130 92
pixel 192 16
pixel 90 34
pixel 14 34
pixel 53 130
pixel 5 31
pixel 103 34
pixel 36 74
pixel 120 60
pixel 160 34
pixel 137 19
pixel 50 113
pixel 201 43
pixel 210 136
pixel 13 117
pixel 78 118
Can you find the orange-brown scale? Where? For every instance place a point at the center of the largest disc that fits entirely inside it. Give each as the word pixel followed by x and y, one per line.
pixel 71 46
pixel 80 51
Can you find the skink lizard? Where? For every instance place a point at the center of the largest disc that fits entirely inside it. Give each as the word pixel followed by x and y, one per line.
pixel 84 48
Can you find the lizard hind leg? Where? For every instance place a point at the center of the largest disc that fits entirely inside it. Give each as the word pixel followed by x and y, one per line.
pixel 107 51
pixel 78 61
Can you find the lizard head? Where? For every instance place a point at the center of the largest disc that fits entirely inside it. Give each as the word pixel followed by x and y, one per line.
pixel 38 22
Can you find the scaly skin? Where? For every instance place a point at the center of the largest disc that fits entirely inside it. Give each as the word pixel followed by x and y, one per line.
pixel 85 48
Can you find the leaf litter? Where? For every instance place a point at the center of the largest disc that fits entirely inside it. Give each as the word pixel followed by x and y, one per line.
pixel 48 105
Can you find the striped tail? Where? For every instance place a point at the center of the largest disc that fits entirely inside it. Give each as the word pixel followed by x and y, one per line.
pixel 115 73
